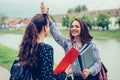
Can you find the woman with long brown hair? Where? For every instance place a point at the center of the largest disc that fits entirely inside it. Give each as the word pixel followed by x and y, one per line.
pixel 79 35
pixel 37 54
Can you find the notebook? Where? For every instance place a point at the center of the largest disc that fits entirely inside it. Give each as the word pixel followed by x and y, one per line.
pixel 86 58
pixel 69 58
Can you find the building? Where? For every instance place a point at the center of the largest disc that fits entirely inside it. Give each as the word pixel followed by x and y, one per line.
pixel 19 23
pixel 113 13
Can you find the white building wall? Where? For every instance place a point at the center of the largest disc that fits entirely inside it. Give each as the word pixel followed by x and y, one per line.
pixel 113 25
pixel 59 26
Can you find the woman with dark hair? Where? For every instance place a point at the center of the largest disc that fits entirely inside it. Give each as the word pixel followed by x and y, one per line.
pixel 79 35
pixel 37 54
pixel 83 33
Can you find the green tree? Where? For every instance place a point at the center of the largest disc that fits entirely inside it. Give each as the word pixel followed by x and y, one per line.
pixel 103 21
pixel 84 8
pixel 65 21
pixel 70 11
pixel 78 8
pixel 118 21
pixel 88 20
pixel 52 18
pixel 3 19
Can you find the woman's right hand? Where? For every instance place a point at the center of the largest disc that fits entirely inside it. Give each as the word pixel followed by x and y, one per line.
pixel 68 70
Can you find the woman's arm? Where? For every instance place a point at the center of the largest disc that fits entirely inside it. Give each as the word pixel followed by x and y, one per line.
pixel 58 37
pixel 97 65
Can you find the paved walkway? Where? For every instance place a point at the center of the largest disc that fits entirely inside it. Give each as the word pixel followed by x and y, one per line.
pixel 4 74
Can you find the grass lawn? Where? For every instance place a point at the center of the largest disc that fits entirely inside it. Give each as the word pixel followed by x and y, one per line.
pixel 106 34
pixel 96 34
pixel 99 34
pixel 7 56
pixel 12 32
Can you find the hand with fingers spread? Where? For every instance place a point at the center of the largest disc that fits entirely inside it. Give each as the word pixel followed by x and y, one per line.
pixel 45 10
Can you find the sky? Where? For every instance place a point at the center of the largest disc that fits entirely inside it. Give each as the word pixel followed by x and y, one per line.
pixel 28 8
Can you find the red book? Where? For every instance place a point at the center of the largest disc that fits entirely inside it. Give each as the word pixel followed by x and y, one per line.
pixel 69 58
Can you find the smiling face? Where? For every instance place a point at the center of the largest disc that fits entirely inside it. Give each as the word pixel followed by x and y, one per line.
pixel 75 28
pixel 79 30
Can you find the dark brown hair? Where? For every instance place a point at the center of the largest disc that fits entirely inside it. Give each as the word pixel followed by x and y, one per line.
pixel 84 35
pixel 29 45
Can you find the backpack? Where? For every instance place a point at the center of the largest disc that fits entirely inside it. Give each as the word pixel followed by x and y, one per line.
pixel 18 72
pixel 102 75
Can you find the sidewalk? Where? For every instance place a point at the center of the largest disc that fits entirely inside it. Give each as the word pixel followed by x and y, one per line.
pixel 4 74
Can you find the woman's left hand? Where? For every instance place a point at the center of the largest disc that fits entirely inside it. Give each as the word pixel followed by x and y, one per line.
pixel 45 10
pixel 85 73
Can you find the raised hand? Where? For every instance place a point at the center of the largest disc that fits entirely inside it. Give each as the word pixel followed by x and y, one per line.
pixel 44 10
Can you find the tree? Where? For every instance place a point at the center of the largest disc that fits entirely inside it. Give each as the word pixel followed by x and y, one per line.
pixel 52 18
pixel 84 8
pixel 65 21
pixel 118 21
pixel 70 11
pixel 103 21
pixel 78 8
pixel 88 21
pixel 3 19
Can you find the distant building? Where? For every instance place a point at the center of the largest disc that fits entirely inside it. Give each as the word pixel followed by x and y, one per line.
pixel 19 23
pixel 26 21
pixel 23 22
pixel 113 13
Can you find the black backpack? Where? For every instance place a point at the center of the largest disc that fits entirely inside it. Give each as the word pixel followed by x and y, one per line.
pixel 18 72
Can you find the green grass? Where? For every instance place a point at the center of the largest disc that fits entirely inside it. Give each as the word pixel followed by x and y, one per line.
pixel 99 34
pixel 7 56
pixel 12 32
pixel 96 34
pixel 105 34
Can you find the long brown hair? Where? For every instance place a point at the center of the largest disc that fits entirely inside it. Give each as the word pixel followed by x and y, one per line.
pixel 84 35
pixel 29 45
